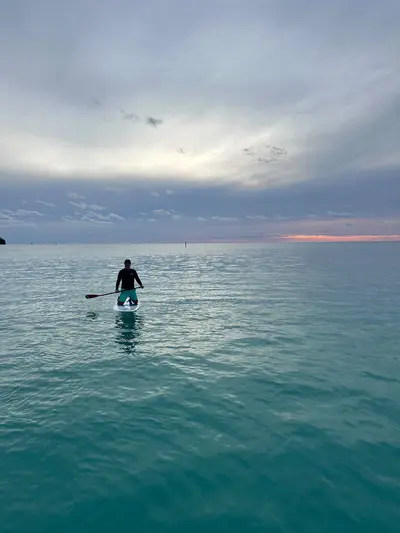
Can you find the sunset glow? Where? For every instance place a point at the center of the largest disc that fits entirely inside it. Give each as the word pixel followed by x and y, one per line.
pixel 340 238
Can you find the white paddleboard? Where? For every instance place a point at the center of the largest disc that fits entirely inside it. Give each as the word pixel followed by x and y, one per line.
pixel 126 308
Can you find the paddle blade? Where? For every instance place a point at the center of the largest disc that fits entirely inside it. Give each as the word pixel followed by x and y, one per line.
pixel 91 295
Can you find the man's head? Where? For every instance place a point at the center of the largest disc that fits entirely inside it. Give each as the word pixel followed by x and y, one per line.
pixel 127 263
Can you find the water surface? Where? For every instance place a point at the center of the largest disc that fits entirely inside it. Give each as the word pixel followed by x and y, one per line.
pixel 256 389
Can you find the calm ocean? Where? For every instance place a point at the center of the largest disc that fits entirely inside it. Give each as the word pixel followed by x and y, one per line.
pixel 257 389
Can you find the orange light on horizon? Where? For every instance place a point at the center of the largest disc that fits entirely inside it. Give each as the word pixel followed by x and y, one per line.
pixel 340 238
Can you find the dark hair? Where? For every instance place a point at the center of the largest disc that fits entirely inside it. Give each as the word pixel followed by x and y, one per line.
pixel 127 262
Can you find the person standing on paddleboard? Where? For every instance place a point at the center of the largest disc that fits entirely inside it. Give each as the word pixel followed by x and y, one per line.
pixel 127 276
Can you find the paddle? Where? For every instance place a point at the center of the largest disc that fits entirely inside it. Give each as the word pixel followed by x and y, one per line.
pixel 107 293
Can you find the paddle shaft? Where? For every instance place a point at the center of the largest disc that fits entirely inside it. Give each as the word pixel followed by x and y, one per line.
pixel 107 293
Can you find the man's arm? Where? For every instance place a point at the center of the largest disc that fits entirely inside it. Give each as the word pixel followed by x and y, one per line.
pixel 138 279
pixel 118 281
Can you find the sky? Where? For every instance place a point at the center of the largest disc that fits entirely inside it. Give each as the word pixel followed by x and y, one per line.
pixel 220 120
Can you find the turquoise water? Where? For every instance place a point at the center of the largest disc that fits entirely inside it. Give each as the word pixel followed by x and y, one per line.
pixel 256 389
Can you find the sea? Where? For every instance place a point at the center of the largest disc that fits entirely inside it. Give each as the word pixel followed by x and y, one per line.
pixel 257 389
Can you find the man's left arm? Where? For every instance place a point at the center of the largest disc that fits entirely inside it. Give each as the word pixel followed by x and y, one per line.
pixel 138 279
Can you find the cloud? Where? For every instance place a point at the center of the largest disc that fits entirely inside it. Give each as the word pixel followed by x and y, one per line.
pixel 299 121
pixel 27 213
pixel 84 206
pixel 70 220
pixel 242 213
pixel 154 121
pixel 340 215
pixel 85 221
pixel 114 216
pixel 48 204
pixel 88 217
pixel 11 222
pixel 95 217
pixel 6 212
pixel 256 217
pixel 162 212
pixel 18 218
pixel 75 196
pixel 225 219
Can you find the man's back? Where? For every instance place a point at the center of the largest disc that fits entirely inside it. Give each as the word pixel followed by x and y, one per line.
pixel 128 276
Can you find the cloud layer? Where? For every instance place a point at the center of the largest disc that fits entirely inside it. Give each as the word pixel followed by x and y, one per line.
pixel 43 211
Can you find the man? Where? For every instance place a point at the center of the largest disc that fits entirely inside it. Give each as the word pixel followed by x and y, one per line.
pixel 127 276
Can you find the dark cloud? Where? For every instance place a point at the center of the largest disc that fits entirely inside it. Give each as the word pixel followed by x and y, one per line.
pixel 154 121
pixel 132 210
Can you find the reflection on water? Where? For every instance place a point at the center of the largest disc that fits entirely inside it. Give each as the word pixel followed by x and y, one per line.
pixel 92 315
pixel 128 326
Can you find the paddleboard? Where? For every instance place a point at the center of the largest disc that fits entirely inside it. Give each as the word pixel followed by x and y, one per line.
pixel 126 308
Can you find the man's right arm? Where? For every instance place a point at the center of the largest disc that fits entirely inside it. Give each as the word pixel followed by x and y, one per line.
pixel 118 281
